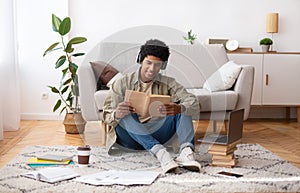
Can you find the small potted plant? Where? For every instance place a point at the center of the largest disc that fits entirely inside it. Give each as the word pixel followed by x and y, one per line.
pixel 68 89
pixel 190 38
pixel 265 44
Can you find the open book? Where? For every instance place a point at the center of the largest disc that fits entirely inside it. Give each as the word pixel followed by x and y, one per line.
pixel 146 104
pixel 129 177
pixel 51 175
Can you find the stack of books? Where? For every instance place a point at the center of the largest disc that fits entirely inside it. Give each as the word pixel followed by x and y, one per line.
pixel 49 160
pixel 223 155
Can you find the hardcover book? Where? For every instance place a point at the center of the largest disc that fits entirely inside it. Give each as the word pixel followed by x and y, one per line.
pixel 146 104
pixel 223 157
pixel 223 163
pixel 223 148
pixel 222 152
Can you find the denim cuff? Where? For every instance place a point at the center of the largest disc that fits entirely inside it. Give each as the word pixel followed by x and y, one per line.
pixel 156 148
pixel 188 144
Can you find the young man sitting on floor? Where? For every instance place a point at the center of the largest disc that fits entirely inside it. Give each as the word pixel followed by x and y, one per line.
pixel 132 131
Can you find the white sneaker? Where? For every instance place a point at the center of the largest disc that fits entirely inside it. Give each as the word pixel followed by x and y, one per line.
pixel 166 161
pixel 187 160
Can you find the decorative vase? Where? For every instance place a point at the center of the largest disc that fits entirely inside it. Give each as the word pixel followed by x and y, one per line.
pixel 74 123
pixel 265 48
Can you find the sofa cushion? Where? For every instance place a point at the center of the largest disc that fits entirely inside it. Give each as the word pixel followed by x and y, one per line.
pixel 195 61
pixel 100 97
pixel 103 73
pixel 223 78
pixel 117 76
pixel 215 101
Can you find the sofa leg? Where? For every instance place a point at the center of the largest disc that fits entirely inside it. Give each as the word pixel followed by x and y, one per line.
pixel 214 126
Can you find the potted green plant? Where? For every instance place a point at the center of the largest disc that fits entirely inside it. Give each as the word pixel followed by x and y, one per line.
pixel 68 89
pixel 265 44
pixel 190 38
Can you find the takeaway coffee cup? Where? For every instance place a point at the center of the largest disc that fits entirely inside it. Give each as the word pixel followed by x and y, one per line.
pixel 83 153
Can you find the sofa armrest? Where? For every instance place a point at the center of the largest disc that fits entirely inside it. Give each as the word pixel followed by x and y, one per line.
pixel 244 87
pixel 87 88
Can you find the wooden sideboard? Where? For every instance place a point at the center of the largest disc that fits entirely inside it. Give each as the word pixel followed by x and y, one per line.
pixel 277 77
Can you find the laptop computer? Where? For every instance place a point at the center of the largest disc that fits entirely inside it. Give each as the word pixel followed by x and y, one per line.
pixel 234 130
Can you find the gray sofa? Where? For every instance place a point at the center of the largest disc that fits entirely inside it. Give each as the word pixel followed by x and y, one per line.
pixel 191 65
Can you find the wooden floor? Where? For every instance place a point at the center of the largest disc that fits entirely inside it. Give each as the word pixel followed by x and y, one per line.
pixel 279 136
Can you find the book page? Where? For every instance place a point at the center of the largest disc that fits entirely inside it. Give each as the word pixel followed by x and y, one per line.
pixel 119 177
pixel 155 102
pixel 51 175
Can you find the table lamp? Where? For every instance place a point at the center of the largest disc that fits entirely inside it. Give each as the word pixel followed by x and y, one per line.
pixel 272 24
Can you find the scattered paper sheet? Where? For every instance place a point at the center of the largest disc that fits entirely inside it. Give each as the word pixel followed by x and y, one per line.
pixel 130 177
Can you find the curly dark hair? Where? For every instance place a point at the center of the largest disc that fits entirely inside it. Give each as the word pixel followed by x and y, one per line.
pixel 154 47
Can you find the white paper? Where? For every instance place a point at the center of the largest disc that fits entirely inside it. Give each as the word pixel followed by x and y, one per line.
pixel 51 175
pixel 130 177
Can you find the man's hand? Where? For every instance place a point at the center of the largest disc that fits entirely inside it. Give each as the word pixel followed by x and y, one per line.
pixel 123 109
pixel 170 109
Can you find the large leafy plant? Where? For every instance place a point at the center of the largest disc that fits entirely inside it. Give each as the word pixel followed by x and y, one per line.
pixel 68 87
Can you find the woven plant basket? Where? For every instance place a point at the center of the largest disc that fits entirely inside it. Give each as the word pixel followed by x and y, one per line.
pixel 74 123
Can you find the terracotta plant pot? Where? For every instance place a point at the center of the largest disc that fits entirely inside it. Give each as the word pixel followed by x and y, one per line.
pixel 74 123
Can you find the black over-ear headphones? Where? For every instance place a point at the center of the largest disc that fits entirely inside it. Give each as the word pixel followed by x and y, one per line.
pixel 139 60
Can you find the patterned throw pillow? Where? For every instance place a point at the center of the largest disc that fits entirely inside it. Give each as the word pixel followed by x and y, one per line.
pixel 103 73
pixel 224 78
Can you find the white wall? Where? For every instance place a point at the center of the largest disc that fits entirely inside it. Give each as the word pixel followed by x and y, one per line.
pixel 35 35
pixel 97 19
pixel 242 20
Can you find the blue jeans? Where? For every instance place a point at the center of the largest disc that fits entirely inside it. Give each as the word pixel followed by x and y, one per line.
pixel 133 134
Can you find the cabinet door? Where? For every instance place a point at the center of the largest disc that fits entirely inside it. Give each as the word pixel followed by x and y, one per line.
pixel 256 61
pixel 281 79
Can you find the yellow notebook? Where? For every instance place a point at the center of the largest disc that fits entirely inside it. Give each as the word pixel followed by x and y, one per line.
pixel 34 160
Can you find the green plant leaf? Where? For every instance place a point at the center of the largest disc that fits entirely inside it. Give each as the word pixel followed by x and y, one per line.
pixel 65 26
pixel 67 81
pixel 64 71
pixel 69 48
pixel 55 23
pixel 266 41
pixel 61 60
pixel 57 105
pixel 75 90
pixel 50 48
pixel 75 79
pixel 73 68
pixel 54 89
pixel 78 54
pixel 64 90
pixel 77 40
pixel 65 108
pixel 70 99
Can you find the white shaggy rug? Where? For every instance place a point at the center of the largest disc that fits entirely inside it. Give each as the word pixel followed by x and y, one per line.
pixel 263 172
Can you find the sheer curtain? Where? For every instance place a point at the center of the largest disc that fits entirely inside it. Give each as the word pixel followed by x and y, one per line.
pixel 9 85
